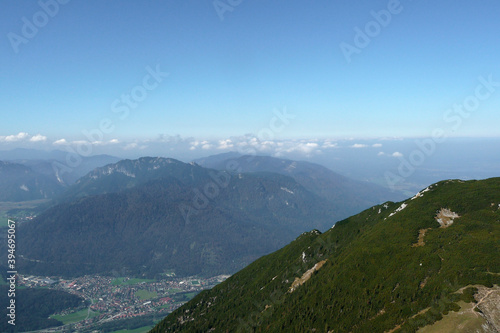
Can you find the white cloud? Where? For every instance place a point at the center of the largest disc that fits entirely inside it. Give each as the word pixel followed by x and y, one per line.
pixel 194 145
pixel 381 153
pixel 225 144
pixel 377 145
pixel 358 145
pixel 329 144
pixel 38 138
pixel 397 154
pixel 206 145
pixel 308 147
pixel 246 144
pixel 60 142
pixel 201 144
pixel 98 143
pixel 251 144
pixel 84 142
pixel 64 142
pixel 14 138
pixel 130 146
pixel 298 147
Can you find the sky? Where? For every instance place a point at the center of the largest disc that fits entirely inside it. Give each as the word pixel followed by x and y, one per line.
pixel 125 76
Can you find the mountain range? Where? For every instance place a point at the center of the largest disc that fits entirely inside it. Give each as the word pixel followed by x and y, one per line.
pixel 429 263
pixel 145 216
pixel 149 215
pixel 347 196
pixel 28 174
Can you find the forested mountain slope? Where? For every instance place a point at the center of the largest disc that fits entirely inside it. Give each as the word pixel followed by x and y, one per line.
pixel 394 267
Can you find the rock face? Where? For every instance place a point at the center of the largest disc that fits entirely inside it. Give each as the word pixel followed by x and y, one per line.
pixel 306 276
pixel 445 217
pixel 481 315
pixel 488 302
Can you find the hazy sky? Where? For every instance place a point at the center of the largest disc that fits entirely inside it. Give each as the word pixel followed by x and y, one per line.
pixel 275 69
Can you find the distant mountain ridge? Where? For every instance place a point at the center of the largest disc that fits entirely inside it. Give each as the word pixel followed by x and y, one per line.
pixel 54 164
pixel 29 174
pixel 20 183
pixel 395 267
pixel 348 196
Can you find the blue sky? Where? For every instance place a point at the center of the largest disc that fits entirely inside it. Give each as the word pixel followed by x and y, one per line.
pixel 231 69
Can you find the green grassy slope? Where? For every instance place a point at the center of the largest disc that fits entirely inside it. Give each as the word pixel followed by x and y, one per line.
pixel 374 279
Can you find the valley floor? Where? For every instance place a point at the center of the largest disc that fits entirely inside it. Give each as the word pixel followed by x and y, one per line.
pixel 112 299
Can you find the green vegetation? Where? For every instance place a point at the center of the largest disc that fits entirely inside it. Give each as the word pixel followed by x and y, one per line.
pixel 374 279
pixel 18 210
pixel 191 295
pixel 143 329
pixel 21 206
pixel 453 322
pixel 174 291
pixel 184 297
pixel 34 306
pixel 144 294
pixel 75 316
pixel 137 324
pixel 3 220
